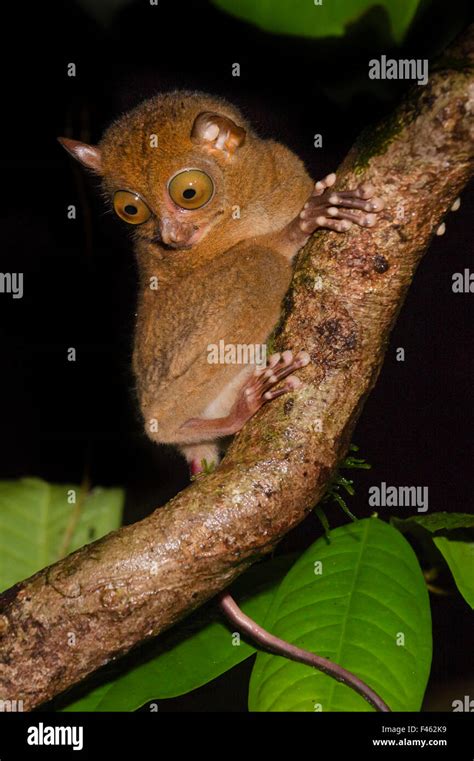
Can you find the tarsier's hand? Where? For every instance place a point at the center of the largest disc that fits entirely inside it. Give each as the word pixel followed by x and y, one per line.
pixel 338 211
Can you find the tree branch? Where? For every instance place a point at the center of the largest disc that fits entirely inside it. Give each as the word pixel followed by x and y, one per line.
pixel 346 294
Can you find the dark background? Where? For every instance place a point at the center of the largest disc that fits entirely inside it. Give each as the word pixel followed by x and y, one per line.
pixel 58 417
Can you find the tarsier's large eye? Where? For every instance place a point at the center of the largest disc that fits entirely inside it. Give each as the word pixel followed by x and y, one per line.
pixel 191 189
pixel 130 207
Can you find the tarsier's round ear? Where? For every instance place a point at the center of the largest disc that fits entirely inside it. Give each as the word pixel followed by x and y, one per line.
pixel 88 155
pixel 219 134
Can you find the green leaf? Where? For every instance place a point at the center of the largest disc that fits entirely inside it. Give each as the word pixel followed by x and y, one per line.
pixel 330 19
pixel 368 597
pixel 39 523
pixel 190 659
pixel 435 522
pixel 453 536
pixel 459 556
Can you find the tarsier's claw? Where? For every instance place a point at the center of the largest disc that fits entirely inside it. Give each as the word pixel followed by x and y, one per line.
pixel 456 204
pixel 340 210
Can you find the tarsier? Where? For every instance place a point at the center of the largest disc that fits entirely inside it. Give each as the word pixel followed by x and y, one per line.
pixel 217 216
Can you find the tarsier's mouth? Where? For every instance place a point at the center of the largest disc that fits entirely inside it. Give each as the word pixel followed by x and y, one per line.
pixel 157 240
pixel 180 239
pixel 182 236
pixel 175 246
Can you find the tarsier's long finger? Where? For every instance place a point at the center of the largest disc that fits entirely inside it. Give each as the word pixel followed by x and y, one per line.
pixel 287 365
pixel 359 218
pixel 350 201
pixel 260 379
pixel 338 211
pixel 315 204
pixel 366 190
pixel 292 383
pixel 260 371
pixel 263 374
pixel 318 205
pixel 322 185
pixel 309 225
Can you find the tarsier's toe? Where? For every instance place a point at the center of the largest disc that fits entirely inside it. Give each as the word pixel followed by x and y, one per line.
pixel 350 201
pixel 309 225
pixel 291 384
pixel 276 364
pixel 364 220
pixel 334 223
pixel 376 204
pixel 280 367
pixel 321 185
pixel 261 387
pixel 303 358
pixel 365 190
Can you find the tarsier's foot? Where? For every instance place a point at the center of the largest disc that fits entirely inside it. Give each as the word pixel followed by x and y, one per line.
pixel 260 388
pixel 256 391
pixel 338 211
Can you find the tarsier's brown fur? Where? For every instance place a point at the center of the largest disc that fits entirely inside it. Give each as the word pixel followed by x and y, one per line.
pixel 228 283
pixel 221 272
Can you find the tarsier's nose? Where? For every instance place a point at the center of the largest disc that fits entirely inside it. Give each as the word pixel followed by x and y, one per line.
pixel 174 238
pixel 175 232
pixel 170 236
pixel 171 233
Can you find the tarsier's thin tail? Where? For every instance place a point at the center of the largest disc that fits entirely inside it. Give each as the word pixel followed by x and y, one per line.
pixel 255 632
